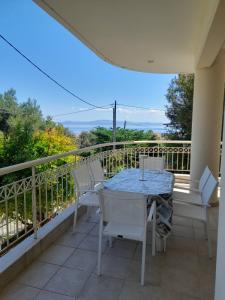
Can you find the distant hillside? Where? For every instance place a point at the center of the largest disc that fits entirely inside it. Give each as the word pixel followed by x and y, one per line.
pixel 79 126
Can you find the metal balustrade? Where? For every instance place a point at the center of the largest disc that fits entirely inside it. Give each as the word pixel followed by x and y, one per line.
pixel 28 203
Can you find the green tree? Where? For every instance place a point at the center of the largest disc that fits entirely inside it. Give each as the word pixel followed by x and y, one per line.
pixel 179 109
pixel 102 135
pixel 86 139
pixel 8 108
pixel 25 135
pixel 18 141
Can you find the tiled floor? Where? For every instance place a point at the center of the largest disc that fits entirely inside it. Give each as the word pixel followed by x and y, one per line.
pixel 67 270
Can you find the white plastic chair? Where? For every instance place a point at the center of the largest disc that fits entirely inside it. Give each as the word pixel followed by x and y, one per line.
pixel 190 195
pixel 97 172
pixel 153 163
pixel 199 213
pixel 126 217
pixel 85 195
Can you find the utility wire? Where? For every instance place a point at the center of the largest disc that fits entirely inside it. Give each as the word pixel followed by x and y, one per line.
pixel 2 110
pixel 59 84
pixel 139 107
pixel 46 74
pixel 80 111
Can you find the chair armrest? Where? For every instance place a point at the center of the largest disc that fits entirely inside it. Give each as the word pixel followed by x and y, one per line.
pixel 151 212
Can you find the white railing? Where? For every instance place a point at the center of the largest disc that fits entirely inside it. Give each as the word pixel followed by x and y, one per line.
pixel 40 189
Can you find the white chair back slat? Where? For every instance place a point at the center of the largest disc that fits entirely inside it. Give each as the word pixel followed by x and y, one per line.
pixel 123 207
pixel 208 189
pixel 153 163
pixel 204 178
pixel 97 171
pixel 82 178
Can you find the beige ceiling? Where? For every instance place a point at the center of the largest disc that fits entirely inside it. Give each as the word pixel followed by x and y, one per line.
pixel 162 36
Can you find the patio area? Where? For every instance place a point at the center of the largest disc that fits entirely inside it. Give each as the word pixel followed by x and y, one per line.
pixel 67 269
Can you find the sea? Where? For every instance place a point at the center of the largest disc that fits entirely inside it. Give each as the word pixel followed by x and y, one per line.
pixel 77 127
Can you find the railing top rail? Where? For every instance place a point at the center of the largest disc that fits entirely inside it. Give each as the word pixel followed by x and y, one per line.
pixel 40 161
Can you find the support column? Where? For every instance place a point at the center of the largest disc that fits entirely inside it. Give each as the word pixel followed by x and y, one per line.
pixel 207 118
pixel 220 257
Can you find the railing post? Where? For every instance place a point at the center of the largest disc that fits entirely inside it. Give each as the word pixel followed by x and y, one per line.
pixel 34 203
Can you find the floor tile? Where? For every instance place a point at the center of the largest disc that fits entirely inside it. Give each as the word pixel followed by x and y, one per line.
pixel 95 230
pixel 181 244
pixel 153 273
pixel 117 267
pixel 84 227
pixel 56 254
pixel 46 295
pixel 71 239
pixel 67 282
pixel 91 243
pixel 19 292
pixel 101 288
pixel 37 274
pixel 82 259
pixel 183 231
pixel 67 270
pixel 122 248
pixel 182 221
pixel 182 260
pixel 181 281
pixel 132 290
pixel 155 260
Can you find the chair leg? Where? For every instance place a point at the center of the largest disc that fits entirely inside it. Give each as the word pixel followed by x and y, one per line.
pixel 164 244
pixel 153 233
pixel 110 241
pixel 205 230
pixel 75 216
pixel 208 233
pixel 208 240
pixel 88 213
pixel 143 262
pixel 100 247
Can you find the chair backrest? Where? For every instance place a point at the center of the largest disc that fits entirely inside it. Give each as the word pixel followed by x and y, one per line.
pixel 153 163
pixel 208 189
pixel 204 178
pixel 123 207
pixel 97 171
pixel 82 178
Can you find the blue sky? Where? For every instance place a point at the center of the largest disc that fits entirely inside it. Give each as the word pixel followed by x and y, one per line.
pixel 70 62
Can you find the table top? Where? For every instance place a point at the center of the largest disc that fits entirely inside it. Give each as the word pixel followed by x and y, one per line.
pixel 155 182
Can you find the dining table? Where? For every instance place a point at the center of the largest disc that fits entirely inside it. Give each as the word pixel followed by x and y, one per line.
pixel 157 185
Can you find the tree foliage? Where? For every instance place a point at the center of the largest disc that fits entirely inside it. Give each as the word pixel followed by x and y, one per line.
pixel 179 109
pixel 26 135
pixel 101 135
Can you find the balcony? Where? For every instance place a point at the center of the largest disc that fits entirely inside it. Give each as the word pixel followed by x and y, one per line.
pixel 42 259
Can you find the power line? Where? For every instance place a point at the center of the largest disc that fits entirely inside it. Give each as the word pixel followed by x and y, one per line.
pixel 59 84
pixel 139 107
pixel 46 74
pixel 80 111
